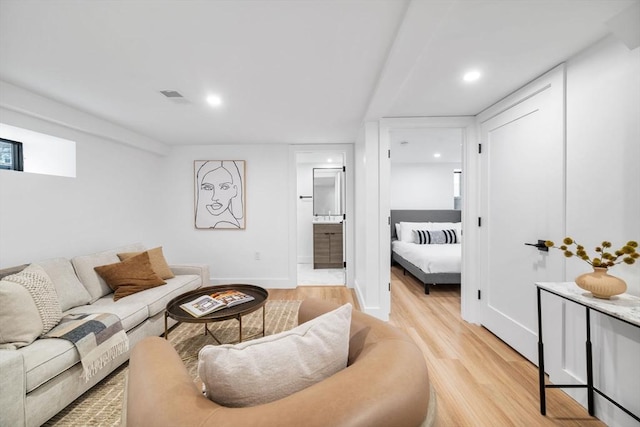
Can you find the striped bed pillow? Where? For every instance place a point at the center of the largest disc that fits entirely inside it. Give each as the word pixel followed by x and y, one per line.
pixel 435 237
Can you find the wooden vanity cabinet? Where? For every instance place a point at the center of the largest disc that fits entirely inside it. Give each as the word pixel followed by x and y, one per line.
pixel 327 246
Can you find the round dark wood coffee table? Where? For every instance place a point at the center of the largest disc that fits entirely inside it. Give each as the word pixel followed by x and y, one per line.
pixel 174 310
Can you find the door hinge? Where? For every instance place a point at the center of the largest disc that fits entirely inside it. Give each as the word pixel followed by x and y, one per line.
pixel 344 264
pixel 389 286
pixel 344 169
pixel 389 153
pixel 344 217
pixel 389 220
pixel 479 221
pixel 479 294
pixel 479 148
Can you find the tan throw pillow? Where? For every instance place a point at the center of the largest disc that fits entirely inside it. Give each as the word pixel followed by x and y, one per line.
pixel 130 276
pixel 271 368
pixel 29 307
pixel 158 262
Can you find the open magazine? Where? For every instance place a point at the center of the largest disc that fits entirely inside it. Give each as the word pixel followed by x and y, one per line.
pixel 217 301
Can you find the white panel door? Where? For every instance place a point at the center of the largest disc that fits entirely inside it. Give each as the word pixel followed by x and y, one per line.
pixel 523 201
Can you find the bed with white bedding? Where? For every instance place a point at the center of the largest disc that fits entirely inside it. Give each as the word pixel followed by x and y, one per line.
pixel 427 244
pixel 431 258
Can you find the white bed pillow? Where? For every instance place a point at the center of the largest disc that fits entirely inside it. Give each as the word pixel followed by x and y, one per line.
pixel 406 230
pixel 270 368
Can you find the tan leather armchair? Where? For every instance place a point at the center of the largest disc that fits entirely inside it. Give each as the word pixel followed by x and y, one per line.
pixel 385 384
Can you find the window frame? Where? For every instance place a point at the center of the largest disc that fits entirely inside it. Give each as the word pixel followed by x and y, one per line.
pixel 17 156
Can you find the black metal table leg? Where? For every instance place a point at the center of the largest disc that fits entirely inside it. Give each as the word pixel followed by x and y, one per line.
pixel 589 366
pixel 543 400
pixel 166 329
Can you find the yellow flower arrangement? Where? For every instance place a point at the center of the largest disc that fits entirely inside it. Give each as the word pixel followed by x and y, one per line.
pixel 604 258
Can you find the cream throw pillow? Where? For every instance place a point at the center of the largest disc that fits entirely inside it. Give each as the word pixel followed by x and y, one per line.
pixel 29 307
pixel 270 368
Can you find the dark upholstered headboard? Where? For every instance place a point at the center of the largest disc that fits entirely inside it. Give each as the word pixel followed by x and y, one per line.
pixel 426 215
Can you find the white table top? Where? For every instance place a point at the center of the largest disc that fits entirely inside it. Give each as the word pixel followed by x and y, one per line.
pixel 625 307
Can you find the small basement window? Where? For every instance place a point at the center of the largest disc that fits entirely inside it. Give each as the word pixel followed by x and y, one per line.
pixel 29 151
pixel 11 155
pixel 457 189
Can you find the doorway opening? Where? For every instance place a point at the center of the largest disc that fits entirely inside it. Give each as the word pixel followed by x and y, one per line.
pixel 321 217
pixel 426 201
pixel 466 144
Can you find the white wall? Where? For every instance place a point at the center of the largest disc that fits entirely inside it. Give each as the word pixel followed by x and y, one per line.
pixel 422 185
pixel 370 278
pixel 305 212
pixel 603 203
pixel 603 151
pixel 231 254
pixel 360 163
pixel 113 200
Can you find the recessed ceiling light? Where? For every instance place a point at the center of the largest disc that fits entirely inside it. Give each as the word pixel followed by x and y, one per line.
pixel 436 155
pixel 471 76
pixel 214 100
pixel 330 160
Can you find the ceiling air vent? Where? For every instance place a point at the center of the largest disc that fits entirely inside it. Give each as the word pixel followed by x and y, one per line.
pixel 171 93
pixel 175 97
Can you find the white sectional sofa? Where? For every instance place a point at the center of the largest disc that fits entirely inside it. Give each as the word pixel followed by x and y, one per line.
pixel 40 379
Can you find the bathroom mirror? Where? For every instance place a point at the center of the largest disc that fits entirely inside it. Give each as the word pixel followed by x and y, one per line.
pixel 327 191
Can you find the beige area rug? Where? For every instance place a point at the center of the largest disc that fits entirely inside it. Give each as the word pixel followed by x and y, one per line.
pixel 102 405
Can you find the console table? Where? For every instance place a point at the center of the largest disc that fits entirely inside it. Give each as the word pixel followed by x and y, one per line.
pixel 625 308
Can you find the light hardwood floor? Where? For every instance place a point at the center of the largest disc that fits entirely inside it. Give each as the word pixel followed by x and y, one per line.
pixel 479 380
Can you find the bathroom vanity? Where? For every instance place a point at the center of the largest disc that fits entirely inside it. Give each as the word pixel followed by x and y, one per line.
pixel 327 245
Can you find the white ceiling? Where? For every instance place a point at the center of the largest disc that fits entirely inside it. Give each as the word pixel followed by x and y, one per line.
pixel 420 145
pixel 289 71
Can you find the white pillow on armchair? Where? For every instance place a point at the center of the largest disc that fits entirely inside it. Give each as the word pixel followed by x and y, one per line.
pixel 270 368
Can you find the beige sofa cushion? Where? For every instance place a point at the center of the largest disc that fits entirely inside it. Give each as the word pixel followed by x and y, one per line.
pixel 156 299
pixel 270 368
pixel 20 322
pixel 70 291
pixel 131 313
pixel 46 358
pixel 29 307
pixel 85 264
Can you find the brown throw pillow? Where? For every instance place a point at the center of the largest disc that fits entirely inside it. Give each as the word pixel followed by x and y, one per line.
pixel 130 276
pixel 158 262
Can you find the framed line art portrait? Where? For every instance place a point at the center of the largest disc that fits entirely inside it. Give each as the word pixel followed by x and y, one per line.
pixel 219 194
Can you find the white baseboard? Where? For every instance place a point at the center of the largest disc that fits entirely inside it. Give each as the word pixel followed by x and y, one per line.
pixel 375 311
pixel 277 283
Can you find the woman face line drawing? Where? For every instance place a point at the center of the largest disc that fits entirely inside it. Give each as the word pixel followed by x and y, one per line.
pixel 219 183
